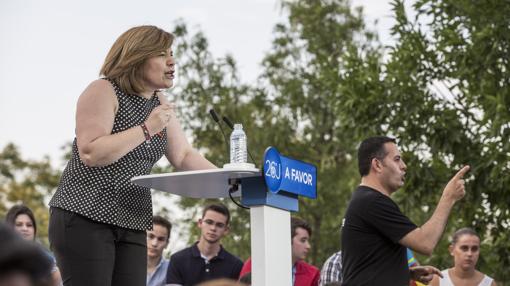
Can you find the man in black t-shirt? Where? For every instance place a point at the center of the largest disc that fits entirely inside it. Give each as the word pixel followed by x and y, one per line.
pixel 375 233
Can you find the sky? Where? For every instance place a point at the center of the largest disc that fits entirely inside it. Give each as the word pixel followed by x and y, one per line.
pixel 51 50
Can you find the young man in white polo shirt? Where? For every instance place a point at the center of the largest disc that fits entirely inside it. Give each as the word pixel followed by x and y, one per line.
pixel 157 240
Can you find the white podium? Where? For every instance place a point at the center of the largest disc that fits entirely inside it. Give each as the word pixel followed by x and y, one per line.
pixel 270 226
pixel 202 184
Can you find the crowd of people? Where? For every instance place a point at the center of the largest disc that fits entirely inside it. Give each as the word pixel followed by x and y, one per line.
pixel 102 230
pixel 206 262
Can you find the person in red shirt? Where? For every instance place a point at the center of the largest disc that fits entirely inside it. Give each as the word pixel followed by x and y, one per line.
pixel 303 274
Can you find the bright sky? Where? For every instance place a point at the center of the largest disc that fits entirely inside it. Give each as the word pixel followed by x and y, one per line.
pixel 51 50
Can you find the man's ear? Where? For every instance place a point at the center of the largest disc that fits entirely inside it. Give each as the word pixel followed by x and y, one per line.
pixel 199 222
pixel 376 165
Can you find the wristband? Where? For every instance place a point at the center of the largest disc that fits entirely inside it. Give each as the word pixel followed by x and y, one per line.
pixel 146 133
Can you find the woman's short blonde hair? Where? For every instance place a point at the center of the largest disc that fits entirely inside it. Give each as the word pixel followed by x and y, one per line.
pixel 126 58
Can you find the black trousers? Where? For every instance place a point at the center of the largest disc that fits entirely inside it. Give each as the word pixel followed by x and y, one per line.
pixel 89 253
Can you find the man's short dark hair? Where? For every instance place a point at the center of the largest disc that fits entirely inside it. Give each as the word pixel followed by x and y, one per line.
pixel 296 222
pixel 159 220
pixel 369 149
pixel 219 208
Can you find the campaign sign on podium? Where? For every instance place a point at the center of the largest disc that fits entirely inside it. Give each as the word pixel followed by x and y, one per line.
pixel 290 175
pixel 283 181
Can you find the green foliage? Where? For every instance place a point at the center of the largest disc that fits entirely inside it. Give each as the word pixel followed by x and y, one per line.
pixel 442 90
pixel 309 83
pixel 296 106
pixel 449 74
pixel 27 182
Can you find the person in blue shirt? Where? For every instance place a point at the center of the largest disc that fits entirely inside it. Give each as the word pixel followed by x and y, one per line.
pixel 157 240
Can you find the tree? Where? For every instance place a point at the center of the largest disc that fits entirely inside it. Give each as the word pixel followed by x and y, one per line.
pixel 27 182
pixel 449 80
pixel 442 91
pixel 294 106
pixel 310 75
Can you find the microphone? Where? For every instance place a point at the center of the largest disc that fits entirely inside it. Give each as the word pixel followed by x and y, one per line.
pixel 229 123
pixel 214 115
pixel 216 119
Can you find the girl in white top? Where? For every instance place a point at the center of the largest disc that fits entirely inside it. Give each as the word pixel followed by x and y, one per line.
pixel 465 249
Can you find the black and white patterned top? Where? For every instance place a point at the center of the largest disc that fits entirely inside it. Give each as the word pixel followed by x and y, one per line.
pixel 105 194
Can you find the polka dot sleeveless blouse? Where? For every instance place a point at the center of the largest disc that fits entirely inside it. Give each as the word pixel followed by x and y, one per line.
pixel 105 194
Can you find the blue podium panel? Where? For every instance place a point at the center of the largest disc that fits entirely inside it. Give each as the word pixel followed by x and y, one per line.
pixel 254 193
pixel 290 175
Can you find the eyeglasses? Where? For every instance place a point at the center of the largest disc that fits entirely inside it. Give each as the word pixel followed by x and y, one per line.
pixel 212 222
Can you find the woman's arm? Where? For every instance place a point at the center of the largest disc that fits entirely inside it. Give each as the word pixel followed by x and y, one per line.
pixel 179 151
pixel 95 115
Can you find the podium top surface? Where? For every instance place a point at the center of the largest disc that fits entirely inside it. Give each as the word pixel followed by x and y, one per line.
pixel 207 184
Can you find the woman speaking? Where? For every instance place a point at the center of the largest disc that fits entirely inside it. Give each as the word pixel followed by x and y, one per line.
pixel 123 127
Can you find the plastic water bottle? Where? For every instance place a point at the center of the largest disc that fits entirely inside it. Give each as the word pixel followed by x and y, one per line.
pixel 238 153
